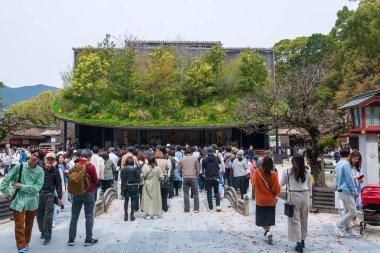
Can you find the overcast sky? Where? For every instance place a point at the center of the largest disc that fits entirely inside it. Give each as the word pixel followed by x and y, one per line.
pixel 37 36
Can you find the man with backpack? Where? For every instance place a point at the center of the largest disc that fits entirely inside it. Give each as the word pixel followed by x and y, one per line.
pixel 210 167
pixel 28 179
pixel 82 182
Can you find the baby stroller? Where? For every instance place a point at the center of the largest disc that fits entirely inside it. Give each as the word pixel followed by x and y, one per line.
pixel 371 206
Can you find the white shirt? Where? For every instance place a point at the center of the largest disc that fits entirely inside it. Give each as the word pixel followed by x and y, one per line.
pixel 15 158
pixel 114 158
pixel 295 185
pixel 98 162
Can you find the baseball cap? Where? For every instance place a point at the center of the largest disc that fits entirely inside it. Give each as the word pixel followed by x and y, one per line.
pixel 240 152
pixel 50 155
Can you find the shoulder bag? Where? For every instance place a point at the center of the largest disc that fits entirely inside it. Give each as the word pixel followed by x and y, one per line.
pixel 165 183
pixel 288 206
pixel 266 184
pixel 17 190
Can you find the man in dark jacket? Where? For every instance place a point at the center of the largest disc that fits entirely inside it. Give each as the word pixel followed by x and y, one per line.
pixel 210 166
pixel 45 210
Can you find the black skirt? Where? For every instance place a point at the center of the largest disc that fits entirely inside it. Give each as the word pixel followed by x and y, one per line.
pixel 265 215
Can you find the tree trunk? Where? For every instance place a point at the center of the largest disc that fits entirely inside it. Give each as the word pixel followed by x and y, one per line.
pixel 315 159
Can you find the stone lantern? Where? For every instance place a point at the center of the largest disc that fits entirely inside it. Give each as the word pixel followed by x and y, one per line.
pixel 365 118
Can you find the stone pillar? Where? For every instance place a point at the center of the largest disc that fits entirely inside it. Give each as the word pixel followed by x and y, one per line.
pixel 368 147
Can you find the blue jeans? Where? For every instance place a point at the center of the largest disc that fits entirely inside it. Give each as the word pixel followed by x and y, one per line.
pixel 221 184
pixel 88 200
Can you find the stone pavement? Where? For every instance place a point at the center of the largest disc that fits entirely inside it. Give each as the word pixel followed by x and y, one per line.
pixel 225 232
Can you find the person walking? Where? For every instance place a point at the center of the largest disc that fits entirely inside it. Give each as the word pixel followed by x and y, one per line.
pixel 298 181
pixel 130 180
pixel 52 184
pixel 267 188
pixel 28 179
pixel 189 169
pixel 347 193
pixel 210 167
pixel 357 174
pixel 98 162
pixel 151 203
pixel 87 199
pixel 240 168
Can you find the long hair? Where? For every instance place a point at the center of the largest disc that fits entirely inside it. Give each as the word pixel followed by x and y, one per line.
pixel 267 165
pixel 358 165
pixel 298 167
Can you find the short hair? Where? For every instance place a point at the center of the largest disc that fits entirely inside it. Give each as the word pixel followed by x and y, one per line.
pixel 345 152
pixel 95 149
pixel 40 153
pixel 158 154
pixel 104 155
pixel 111 149
pixel 129 161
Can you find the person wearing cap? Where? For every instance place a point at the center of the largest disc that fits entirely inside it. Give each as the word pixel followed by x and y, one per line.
pixel 52 184
pixel 239 168
pixel 210 167
pixel 189 169
pixel 88 200
pixel 26 196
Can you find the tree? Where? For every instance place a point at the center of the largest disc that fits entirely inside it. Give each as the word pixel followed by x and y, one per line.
pixel 160 77
pixel 197 83
pixel 34 112
pixel 122 73
pixel 294 103
pixel 215 57
pixel 358 56
pixel 90 77
pixel 253 72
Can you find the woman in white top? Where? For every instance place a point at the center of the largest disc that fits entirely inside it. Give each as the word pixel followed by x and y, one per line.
pixel 357 175
pixel 298 181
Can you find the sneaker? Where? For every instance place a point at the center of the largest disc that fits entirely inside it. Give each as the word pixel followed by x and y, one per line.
pixel 47 241
pixel 132 218
pixel 22 250
pixel 155 217
pixel 211 210
pixel 70 242
pixel 218 209
pixel 27 248
pixel 352 234
pixel 338 231
pixel 266 235
pixel 270 238
pixel 53 225
pixel 196 211
pixel 90 242
pixel 148 217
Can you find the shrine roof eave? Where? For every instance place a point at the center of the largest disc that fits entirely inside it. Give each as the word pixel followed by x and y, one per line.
pixel 360 99
pixel 140 127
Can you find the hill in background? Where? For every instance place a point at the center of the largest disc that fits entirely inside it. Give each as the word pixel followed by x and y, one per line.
pixel 11 96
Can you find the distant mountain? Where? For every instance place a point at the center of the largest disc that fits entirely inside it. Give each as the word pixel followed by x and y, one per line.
pixel 11 96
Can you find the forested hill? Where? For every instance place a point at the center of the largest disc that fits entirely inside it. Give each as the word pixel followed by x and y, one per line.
pixel 11 96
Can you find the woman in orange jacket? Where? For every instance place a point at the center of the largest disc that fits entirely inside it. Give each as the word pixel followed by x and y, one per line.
pixel 267 188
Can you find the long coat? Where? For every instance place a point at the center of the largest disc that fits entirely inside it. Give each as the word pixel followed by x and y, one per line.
pixel 151 202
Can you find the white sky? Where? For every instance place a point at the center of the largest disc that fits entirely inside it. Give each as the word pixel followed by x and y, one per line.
pixel 37 36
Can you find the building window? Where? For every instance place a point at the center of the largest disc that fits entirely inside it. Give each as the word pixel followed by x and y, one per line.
pixel 372 115
pixel 357 116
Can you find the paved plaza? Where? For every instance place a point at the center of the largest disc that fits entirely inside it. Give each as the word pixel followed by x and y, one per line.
pixel 179 232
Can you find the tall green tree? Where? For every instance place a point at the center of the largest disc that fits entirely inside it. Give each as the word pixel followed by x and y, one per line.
pixel 253 72
pixel 90 77
pixel 358 56
pixel 123 74
pixel 160 77
pixel 198 82
pixel 215 57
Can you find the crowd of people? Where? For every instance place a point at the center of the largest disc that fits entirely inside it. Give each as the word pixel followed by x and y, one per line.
pixel 42 184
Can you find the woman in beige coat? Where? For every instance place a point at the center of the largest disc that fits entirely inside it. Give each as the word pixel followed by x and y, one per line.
pixel 151 203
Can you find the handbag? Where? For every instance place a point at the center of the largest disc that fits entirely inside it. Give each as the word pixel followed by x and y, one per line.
pixel 17 190
pixel 165 183
pixel 288 206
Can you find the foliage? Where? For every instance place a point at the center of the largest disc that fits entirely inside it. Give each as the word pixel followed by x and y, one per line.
pixel 330 142
pixel 357 59
pixel 253 72
pixel 90 76
pixel 198 82
pixel 215 57
pixel 160 77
